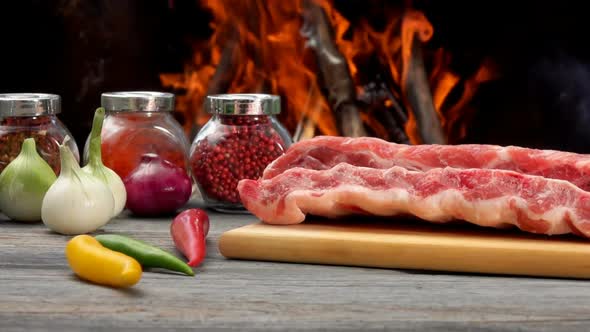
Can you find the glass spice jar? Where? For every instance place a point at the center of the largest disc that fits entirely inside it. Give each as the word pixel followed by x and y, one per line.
pixel 240 139
pixel 137 123
pixel 32 115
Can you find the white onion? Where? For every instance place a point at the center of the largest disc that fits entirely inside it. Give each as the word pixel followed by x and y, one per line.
pixel 77 202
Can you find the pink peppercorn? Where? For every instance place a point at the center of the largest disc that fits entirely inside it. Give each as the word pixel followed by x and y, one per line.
pixel 239 141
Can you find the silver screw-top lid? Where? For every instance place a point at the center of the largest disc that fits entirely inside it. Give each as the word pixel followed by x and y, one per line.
pixel 29 104
pixel 134 101
pixel 244 104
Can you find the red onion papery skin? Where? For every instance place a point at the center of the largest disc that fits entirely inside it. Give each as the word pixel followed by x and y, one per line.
pixel 156 187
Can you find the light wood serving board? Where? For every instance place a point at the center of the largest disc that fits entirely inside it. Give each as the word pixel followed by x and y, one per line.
pixel 411 245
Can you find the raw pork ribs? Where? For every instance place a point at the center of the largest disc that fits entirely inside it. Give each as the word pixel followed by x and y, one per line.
pixel 324 152
pixel 538 191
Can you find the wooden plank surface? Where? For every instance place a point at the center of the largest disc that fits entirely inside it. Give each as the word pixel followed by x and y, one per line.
pixel 39 293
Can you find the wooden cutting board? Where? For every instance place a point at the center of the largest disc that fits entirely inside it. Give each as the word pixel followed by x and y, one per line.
pixel 411 245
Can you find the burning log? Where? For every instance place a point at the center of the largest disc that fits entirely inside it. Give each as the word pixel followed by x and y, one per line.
pixel 223 76
pixel 415 30
pixel 394 131
pixel 306 126
pixel 334 70
pixel 221 80
pixel 385 112
pixel 394 115
pixel 420 98
pixel 305 129
pixel 388 86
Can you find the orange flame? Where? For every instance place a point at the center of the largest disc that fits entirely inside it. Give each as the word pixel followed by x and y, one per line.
pixel 264 51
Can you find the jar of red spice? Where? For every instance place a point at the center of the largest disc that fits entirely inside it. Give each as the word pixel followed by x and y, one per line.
pixel 32 115
pixel 140 123
pixel 240 139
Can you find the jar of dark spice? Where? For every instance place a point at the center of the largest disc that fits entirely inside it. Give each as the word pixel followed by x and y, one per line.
pixel 240 139
pixel 25 115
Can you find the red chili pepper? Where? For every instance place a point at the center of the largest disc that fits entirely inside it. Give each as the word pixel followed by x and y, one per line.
pixel 189 230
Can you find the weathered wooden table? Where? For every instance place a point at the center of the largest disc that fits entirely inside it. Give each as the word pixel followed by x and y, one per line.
pixel 39 292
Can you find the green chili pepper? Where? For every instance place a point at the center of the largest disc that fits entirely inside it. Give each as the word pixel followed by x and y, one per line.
pixel 147 255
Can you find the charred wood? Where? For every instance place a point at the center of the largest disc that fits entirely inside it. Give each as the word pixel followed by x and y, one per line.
pixel 394 130
pixel 305 129
pixel 419 97
pixel 221 80
pixel 388 85
pixel 333 70
pixel 385 113
pixel 306 125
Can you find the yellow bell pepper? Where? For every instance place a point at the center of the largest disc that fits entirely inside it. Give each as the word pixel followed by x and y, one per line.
pixel 93 262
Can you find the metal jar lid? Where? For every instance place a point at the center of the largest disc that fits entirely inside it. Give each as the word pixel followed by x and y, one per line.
pixel 137 101
pixel 244 104
pixel 29 104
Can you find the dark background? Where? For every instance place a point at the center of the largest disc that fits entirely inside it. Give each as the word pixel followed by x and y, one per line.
pixel 79 49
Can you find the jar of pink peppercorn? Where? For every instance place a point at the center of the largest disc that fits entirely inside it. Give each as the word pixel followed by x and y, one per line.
pixel 240 139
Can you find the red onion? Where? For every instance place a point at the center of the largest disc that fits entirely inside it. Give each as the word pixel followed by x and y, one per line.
pixel 156 186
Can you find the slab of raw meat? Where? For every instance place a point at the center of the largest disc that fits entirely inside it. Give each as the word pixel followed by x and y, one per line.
pixel 324 152
pixel 486 197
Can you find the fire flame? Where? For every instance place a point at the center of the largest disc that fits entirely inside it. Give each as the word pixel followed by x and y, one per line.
pixel 257 46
